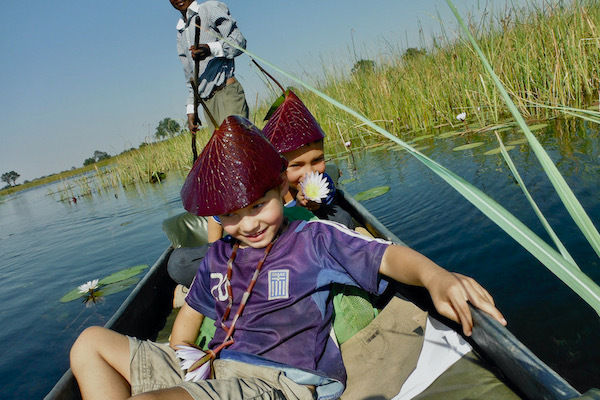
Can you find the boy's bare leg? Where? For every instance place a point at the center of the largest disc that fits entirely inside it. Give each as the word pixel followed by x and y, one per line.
pixel 100 363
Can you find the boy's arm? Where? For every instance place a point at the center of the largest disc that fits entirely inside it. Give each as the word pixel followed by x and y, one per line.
pixel 186 327
pixel 449 291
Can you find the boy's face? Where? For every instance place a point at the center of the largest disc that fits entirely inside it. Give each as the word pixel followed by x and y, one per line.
pixel 257 224
pixel 181 5
pixel 306 159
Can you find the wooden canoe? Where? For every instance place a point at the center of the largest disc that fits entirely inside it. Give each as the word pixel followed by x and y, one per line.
pixel 144 312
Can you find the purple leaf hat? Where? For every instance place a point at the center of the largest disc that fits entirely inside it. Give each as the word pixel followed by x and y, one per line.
pixel 292 125
pixel 237 167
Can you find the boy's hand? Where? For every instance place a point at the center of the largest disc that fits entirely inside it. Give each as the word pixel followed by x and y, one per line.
pixel 309 204
pixel 450 293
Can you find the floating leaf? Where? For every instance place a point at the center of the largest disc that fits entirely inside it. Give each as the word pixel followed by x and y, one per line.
pixel 497 150
pixel 126 223
pixel 372 193
pixel 346 181
pixel 537 127
pixel 122 275
pixel 118 286
pixel 421 148
pixel 467 146
pixel 373 149
pixel 72 295
pixel 449 134
pixel 419 138
pixel 516 142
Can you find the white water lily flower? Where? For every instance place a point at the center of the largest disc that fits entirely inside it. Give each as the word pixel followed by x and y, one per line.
pixel 314 186
pixel 88 286
pixel 189 356
pixel 462 116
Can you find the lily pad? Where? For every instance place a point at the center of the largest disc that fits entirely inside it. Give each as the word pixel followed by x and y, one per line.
pixel 518 141
pixel 506 128
pixel 118 286
pixel 537 127
pixel 419 138
pixel 467 146
pixel 497 150
pixel 376 147
pixel 346 181
pixel 122 275
pixel 372 193
pixel 449 134
pixel 72 295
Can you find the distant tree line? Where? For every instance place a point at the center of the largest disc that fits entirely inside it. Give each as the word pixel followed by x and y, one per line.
pixel 98 156
pixel 166 128
pixel 368 66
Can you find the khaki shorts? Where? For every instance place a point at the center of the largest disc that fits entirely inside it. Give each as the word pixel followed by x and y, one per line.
pixel 155 366
pixel 230 100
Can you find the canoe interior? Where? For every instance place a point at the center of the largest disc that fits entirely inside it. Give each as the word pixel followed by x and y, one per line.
pixel 145 310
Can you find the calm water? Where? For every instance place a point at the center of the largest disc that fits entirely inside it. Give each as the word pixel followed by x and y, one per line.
pixel 49 247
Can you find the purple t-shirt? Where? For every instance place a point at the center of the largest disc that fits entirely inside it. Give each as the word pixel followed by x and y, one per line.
pixel 288 315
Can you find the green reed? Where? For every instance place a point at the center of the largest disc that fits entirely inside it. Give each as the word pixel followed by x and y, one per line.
pixel 169 155
pixel 547 55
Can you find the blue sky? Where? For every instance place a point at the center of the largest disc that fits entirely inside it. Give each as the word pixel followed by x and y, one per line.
pixel 79 76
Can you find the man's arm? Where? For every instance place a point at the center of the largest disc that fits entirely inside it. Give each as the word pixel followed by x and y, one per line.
pixel 449 291
pixel 227 29
pixel 186 327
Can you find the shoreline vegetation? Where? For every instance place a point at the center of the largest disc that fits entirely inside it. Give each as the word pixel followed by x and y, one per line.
pixel 545 55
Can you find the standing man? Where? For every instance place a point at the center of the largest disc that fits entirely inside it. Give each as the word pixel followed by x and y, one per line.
pixel 217 86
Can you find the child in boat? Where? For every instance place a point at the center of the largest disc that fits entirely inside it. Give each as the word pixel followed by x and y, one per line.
pixel 267 286
pixel 296 134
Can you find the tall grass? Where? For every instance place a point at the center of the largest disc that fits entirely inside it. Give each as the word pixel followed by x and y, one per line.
pixel 544 55
pixel 547 55
pixel 140 165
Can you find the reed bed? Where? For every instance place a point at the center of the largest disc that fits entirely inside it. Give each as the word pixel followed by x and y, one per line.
pixel 547 55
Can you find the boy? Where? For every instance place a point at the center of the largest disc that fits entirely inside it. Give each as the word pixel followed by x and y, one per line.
pixel 296 134
pixel 267 288
pixel 217 86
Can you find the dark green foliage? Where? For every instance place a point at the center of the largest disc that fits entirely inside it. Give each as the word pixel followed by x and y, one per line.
pixel 363 67
pixel 412 53
pixel 9 177
pixel 98 156
pixel 167 128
